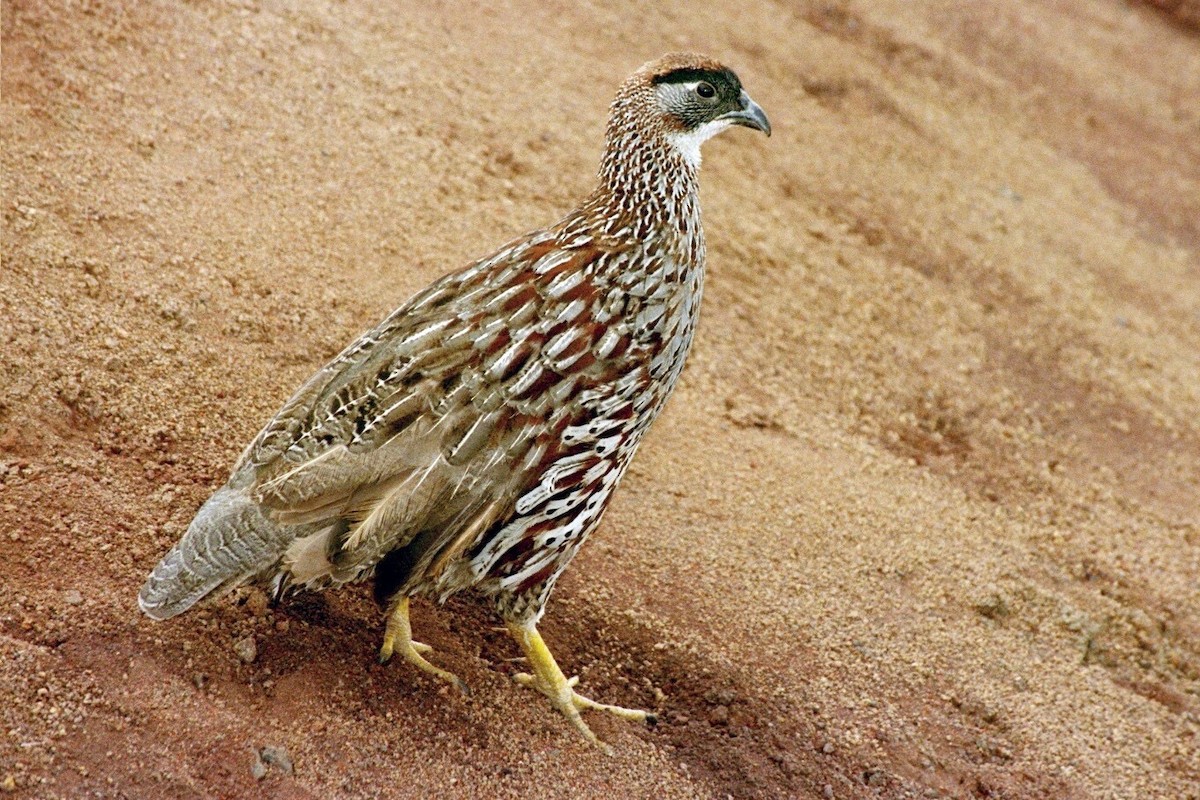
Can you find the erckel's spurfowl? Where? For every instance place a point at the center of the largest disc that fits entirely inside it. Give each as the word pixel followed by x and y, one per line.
pixel 473 438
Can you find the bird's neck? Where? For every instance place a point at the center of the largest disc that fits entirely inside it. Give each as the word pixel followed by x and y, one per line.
pixel 648 191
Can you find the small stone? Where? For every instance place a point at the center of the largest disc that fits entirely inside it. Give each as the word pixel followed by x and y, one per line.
pixel 992 606
pixel 246 649
pixel 827 791
pixel 9 784
pixel 720 697
pixel 200 680
pixel 827 748
pixel 73 597
pixel 875 777
pixel 257 768
pixel 277 757
pixel 256 601
pixel 719 715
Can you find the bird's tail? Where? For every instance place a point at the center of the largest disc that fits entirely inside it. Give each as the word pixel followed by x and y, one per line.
pixel 229 542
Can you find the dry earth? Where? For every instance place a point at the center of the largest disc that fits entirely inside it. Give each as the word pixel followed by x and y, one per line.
pixel 922 520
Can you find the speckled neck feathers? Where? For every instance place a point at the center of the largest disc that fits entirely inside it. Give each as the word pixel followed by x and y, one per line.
pixel 646 191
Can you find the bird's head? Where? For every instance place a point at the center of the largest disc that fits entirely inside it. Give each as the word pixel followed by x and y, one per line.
pixel 691 98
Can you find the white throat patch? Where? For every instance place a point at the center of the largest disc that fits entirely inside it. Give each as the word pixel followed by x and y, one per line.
pixel 688 144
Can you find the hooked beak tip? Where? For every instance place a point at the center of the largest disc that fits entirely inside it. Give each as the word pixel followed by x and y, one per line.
pixel 751 115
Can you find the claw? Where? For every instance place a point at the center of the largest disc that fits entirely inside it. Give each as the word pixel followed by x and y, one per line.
pixel 397 638
pixel 549 679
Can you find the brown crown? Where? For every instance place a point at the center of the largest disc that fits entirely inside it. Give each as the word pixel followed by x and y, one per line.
pixel 672 62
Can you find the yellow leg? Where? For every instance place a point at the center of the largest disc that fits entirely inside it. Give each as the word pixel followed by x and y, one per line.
pixel 548 679
pixel 398 638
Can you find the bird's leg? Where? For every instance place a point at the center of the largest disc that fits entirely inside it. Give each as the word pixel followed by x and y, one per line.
pixel 548 679
pixel 397 637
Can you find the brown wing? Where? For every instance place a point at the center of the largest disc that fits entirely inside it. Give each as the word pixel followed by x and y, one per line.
pixel 432 421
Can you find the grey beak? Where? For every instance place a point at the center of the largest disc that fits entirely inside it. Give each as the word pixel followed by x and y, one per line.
pixel 751 115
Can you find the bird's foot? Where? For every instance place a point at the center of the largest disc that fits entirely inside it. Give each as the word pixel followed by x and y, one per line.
pixel 549 679
pixel 397 638
pixel 389 648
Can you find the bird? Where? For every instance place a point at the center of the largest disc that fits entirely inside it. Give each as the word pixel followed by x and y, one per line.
pixel 473 438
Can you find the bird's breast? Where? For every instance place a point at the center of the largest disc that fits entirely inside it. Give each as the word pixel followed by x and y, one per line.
pixel 661 307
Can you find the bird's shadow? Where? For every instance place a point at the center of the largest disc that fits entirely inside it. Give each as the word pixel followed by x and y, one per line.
pixel 727 731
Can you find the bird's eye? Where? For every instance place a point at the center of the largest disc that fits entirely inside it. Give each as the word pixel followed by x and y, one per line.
pixel 706 91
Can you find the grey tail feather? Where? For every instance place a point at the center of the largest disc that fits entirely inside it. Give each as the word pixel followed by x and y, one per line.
pixel 229 542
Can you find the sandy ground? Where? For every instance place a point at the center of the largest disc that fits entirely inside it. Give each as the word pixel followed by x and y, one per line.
pixel 922 519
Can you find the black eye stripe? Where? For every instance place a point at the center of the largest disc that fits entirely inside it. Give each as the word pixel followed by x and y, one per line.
pixel 720 80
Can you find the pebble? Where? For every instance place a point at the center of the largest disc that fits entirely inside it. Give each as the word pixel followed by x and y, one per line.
pixel 720 697
pixel 827 748
pixel 257 768
pixel 246 649
pixel 993 606
pixel 827 791
pixel 73 597
pixel 257 602
pixel 875 777
pixel 719 715
pixel 277 757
